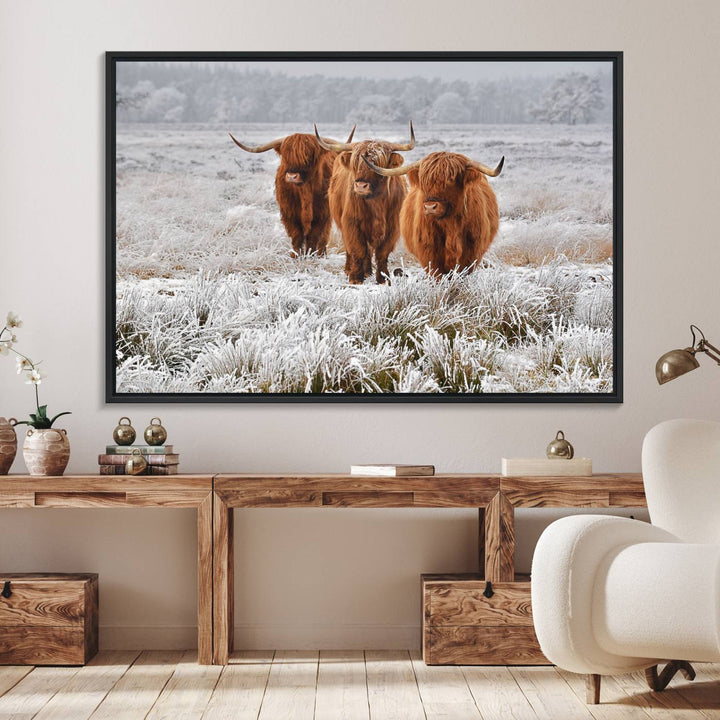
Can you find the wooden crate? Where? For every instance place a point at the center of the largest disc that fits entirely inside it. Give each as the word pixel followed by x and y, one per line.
pixel 461 626
pixel 48 618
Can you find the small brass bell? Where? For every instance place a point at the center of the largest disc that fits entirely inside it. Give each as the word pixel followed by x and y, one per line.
pixel 124 433
pixel 136 463
pixel 155 433
pixel 560 448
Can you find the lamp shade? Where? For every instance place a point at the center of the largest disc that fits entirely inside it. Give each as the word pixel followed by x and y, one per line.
pixel 675 363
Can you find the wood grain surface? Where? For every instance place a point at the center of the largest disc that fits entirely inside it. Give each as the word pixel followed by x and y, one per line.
pixel 464 604
pixel 352 490
pixel 346 688
pixel 43 602
pixel 126 491
pixel 205 578
pixel 499 540
pixel 341 691
pixel 49 619
pixel 444 691
pixel 223 580
pixel 503 645
pixel 589 491
pixel 28 645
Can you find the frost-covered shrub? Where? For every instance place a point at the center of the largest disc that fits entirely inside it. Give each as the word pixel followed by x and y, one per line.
pixel 210 300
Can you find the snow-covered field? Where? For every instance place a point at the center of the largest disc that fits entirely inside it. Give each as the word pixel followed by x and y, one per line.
pixel 210 301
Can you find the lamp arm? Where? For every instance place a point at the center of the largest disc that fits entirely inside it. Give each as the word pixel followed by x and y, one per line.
pixel 710 350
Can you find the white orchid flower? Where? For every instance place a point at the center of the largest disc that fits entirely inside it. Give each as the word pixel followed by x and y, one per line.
pixel 5 346
pixel 35 377
pixel 13 320
pixel 23 364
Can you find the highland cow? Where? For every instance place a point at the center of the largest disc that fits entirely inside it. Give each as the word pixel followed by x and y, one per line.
pixel 301 187
pixel 365 207
pixel 450 216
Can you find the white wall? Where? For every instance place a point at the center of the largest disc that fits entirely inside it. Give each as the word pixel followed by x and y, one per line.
pixel 330 578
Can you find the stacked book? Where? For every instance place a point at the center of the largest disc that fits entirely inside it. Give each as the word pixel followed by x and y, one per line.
pixel 160 459
pixel 392 470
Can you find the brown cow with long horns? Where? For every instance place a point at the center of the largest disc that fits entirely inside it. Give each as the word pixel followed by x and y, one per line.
pixel 365 207
pixel 301 188
pixel 450 215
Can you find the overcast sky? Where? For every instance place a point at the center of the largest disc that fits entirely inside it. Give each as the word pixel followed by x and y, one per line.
pixel 446 70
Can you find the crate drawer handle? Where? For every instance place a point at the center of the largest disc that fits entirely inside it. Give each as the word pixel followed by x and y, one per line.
pixel 6 592
pixel 488 592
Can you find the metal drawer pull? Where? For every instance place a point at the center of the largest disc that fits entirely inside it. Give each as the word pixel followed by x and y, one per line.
pixel 6 592
pixel 488 592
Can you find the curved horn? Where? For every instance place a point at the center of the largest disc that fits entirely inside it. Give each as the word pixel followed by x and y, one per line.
pixel 352 132
pixel 390 172
pixel 408 145
pixel 485 169
pixel 334 145
pixel 258 148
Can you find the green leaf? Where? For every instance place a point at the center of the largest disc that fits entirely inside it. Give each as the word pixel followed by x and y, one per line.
pixel 42 411
pixel 67 412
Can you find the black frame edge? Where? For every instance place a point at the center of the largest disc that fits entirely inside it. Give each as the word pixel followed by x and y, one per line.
pixel 113 397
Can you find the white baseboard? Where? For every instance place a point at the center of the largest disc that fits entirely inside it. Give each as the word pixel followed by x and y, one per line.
pixel 265 637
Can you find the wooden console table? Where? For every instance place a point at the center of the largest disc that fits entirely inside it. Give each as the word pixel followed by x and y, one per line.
pixel 495 497
pixel 92 491
pixel 215 497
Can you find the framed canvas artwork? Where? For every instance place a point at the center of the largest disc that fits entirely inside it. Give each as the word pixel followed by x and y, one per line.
pixel 364 227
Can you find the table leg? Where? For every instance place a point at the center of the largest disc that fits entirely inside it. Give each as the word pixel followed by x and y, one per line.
pixel 481 541
pixel 499 540
pixel 223 581
pixel 205 588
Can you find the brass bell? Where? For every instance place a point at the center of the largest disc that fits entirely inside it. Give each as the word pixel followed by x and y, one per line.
pixel 124 433
pixel 136 463
pixel 560 448
pixel 155 433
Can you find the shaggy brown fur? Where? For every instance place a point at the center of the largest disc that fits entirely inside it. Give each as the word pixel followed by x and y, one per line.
pixel 450 216
pixel 366 208
pixel 301 187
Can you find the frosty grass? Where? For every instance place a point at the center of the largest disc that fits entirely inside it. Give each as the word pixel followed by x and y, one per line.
pixel 210 301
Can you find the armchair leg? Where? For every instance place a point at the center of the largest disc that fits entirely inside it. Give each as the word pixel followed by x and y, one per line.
pixel 660 682
pixel 592 689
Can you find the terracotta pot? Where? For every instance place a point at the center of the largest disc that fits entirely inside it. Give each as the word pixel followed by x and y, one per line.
pixel 46 452
pixel 8 444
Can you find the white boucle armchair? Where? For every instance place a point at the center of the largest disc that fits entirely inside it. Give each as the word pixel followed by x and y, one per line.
pixel 613 595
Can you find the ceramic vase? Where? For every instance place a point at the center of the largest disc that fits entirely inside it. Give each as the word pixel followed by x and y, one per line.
pixel 46 451
pixel 8 445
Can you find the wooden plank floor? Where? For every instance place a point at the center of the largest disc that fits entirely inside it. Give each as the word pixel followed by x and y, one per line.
pixel 344 685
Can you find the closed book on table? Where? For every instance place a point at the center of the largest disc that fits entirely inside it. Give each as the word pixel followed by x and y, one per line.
pixel 392 470
pixel 144 449
pixel 547 467
pixel 149 470
pixel 172 459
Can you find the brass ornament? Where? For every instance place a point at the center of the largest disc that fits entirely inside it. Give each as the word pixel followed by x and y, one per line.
pixel 136 463
pixel 124 433
pixel 560 448
pixel 155 433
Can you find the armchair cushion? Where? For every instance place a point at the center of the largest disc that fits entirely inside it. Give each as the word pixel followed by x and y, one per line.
pixel 659 600
pixel 567 559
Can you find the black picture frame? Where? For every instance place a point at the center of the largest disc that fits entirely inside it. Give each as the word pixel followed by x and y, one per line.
pixel 114 59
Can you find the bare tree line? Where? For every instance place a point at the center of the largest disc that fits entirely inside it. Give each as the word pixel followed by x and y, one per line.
pixel 203 93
